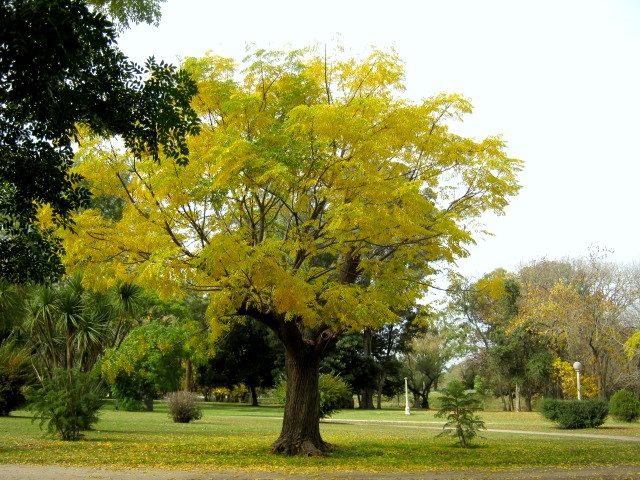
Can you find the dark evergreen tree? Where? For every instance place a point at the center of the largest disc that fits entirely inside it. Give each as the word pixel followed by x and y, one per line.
pixel 245 354
pixel 60 67
pixel 347 358
pixel 369 361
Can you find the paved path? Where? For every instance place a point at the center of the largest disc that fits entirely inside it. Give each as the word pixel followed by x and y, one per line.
pixel 430 425
pixel 409 424
pixel 38 472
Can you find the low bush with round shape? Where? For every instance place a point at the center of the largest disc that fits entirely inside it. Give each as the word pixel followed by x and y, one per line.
pixel 335 394
pixel 333 391
pixel 624 406
pixel 183 406
pixel 573 414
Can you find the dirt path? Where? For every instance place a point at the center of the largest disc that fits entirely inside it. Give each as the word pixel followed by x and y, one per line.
pixel 38 472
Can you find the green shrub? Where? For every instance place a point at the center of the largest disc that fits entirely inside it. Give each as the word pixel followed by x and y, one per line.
pixel 334 393
pixel 624 406
pixel 183 406
pixel 127 404
pixel 133 393
pixel 14 375
pixel 588 413
pixel 458 407
pixel 147 362
pixel 68 403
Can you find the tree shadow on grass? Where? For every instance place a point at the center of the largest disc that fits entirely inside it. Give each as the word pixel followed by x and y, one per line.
pixel 350 451
pixel 473 446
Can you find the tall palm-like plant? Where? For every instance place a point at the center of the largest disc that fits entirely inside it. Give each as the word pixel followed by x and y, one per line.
pixel 69 326
pixel 42 309
pixel 72 318
pixel 127 302
pixel 94 336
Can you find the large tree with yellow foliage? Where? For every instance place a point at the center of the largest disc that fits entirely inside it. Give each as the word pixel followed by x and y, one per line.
pixel 316 200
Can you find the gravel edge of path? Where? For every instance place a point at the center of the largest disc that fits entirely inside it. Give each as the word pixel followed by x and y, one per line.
pixel 54 472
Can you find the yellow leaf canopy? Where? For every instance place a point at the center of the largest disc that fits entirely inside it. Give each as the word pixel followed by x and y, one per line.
pixel 314 192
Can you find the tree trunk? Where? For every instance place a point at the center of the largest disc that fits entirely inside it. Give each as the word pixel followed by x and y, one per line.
pixel 517 407
pixel 69 353
pixel 600 368
pixel 147 404
pixel 379 394
pixel 188 376
pixel 367 392
pixel 425 399
pixel 254 395
pixel 416 400
pixel 300 433
pixel 527 402
pixel 367 399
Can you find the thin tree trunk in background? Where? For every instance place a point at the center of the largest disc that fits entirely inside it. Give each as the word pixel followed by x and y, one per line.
pixel 147 404
pixel 367 392
pixel 517 408
pixel 188 376
pixel 425 398
pixel 527 402
pixel 379 393
pixel 254 395
pixel 69 355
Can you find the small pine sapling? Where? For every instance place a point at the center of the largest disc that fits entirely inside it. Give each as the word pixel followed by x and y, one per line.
pixel 458 408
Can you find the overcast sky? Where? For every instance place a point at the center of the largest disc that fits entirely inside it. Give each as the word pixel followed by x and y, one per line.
pixel 559 79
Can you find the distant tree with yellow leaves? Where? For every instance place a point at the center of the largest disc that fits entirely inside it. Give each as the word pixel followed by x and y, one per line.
pixel 587 308
pixel 566 378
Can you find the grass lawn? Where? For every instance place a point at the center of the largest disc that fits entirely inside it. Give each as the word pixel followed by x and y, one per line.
pixel 236 436
pixel 532 421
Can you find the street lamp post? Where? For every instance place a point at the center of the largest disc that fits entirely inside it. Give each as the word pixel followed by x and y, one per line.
pixel 577 366
pixel 407 410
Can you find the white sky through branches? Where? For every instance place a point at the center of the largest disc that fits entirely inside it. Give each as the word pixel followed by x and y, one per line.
pixel 558 79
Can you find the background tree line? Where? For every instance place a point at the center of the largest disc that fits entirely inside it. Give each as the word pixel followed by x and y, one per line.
pixel 526 329
pixel 143 347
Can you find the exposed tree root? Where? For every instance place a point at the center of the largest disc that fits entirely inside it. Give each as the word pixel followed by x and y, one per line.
pixel 305 448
